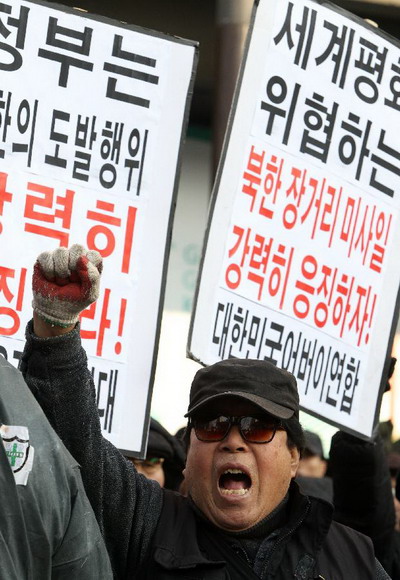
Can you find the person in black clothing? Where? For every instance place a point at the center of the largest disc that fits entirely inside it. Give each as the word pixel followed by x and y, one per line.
pixel 312 461
pixel 312 469
pixel 244 516
pixel 165 457
pixel 362 491
pixel 363 488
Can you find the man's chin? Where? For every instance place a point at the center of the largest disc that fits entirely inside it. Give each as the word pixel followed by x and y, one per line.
pixel 239 525
pixel 233 519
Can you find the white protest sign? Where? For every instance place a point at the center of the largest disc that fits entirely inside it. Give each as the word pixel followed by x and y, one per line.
pixel 92 118
pixel 300 263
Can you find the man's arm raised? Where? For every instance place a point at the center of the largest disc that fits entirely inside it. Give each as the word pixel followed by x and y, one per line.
pixel 54 365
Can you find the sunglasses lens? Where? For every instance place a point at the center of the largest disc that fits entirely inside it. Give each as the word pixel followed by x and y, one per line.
pixel 258 430
pixel 214 430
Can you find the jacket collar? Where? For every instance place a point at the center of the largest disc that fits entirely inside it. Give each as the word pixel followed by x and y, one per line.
pixel 180 549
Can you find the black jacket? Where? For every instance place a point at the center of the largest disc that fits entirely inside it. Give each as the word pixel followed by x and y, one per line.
pixel 308 546
pixel 155 534
pixel 363 492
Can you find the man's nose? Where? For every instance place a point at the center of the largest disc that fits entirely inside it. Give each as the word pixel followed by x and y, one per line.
pixel 233 441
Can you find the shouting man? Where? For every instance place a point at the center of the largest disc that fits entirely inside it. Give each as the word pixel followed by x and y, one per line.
pixel 243 515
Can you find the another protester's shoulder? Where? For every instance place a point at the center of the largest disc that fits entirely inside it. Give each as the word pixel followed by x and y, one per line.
pixel 60 525
pixel 18 407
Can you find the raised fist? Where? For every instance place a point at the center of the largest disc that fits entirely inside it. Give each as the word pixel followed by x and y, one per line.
pixel 65 282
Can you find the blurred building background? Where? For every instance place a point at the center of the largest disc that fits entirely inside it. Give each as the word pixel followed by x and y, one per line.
pixel 220 27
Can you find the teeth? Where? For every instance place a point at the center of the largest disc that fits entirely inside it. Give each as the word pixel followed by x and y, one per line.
pixel 234 471
pixel 234 491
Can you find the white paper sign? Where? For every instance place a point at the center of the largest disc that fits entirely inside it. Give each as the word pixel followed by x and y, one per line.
pixel 92 117
pixel 300 264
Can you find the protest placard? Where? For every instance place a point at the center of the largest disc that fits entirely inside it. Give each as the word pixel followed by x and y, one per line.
pixel 300 262
pixel 93 114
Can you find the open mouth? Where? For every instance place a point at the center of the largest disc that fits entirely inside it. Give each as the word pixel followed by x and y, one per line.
pixel 234 482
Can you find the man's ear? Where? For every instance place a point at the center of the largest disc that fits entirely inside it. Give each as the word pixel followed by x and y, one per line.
pixel 295 459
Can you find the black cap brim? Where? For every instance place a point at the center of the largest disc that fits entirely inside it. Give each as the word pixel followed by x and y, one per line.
pixel 274 409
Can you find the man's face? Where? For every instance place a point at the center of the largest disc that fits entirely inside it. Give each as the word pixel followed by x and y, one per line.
pixel 235 483
pixel 312 466
pixel 151 467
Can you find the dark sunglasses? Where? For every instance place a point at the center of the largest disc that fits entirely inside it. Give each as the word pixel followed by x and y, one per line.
pixel 252 429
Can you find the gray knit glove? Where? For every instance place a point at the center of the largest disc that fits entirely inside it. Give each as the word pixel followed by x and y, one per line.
pixel 65 282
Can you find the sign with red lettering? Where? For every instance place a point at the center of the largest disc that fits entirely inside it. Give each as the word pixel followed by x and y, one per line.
pixel 300 264
pixel 92 115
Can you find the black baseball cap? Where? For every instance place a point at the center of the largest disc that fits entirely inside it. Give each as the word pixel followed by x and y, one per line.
pixel 313 444
pixel 261 382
